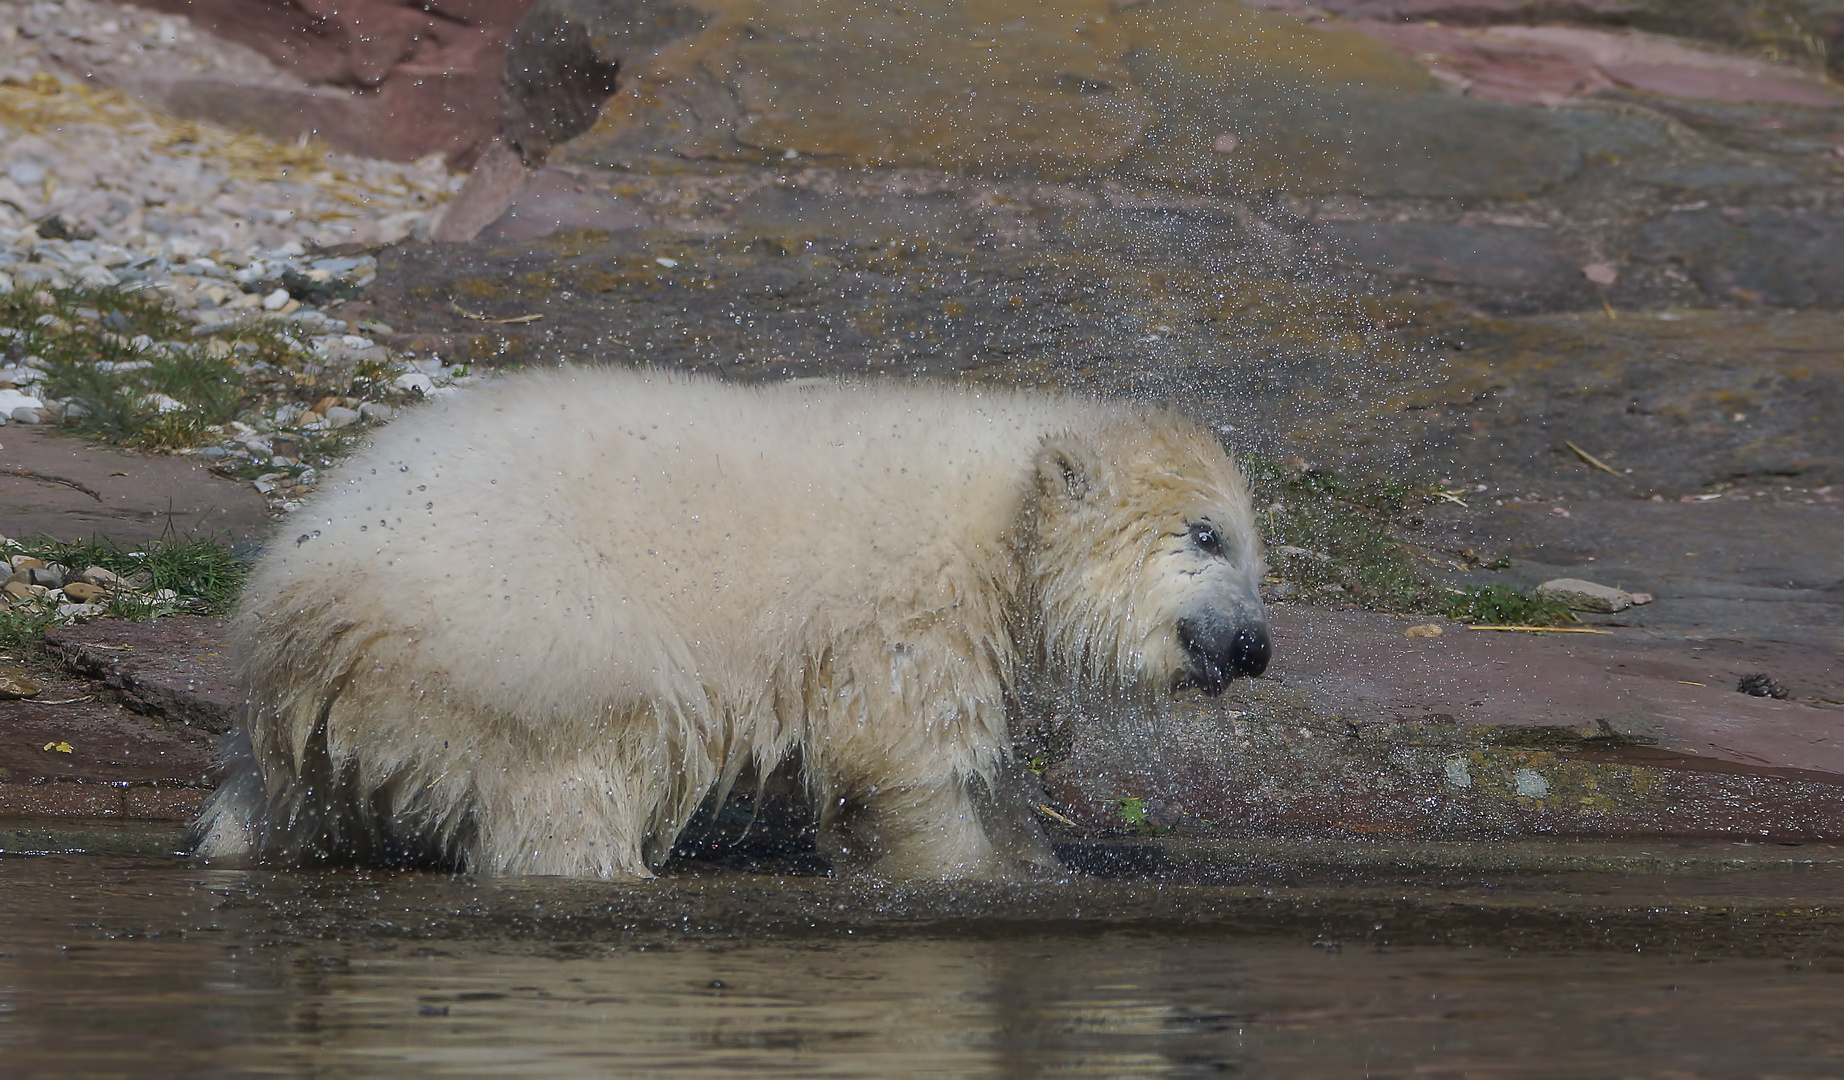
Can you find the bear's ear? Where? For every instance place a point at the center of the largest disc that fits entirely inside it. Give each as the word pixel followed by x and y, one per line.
pixel 1066 469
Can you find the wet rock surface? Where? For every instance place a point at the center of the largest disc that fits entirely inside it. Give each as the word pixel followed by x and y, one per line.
pixel 1684 899
pixel 1361 729
pixel 72 754
pixel 1563 311
pixel 175 669
pixel 1499 205
pixel 122 723
pixel 1357 730
pixel 1686 401
pixel 1743 566
pixel 1548 895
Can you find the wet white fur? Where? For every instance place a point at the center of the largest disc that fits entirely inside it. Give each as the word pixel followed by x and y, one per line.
pixel 534 626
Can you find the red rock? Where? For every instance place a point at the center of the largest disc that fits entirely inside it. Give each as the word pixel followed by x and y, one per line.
pixel 497 177
pixel 361 44
pixel 1471 12
pixel 1505 71
pixel 557 199
pixel 1691 82
pixel 1662 65
pixel 119 764
pixel 1483 734
pixel 134 743
pixel 428 73
pixel 81 800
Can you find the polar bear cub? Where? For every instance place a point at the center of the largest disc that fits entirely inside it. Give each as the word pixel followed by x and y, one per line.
pixel 534 627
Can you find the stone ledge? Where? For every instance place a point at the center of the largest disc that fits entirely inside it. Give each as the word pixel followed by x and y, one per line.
pixel 176 669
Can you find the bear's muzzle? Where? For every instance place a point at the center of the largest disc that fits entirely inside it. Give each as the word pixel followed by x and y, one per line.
pixel 1221 648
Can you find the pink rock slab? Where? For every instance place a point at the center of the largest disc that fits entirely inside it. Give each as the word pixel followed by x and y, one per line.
pixel 1677 694
pixel 1546 65
pixel 137 497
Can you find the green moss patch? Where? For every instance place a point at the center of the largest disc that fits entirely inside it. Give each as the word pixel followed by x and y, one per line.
pixel 1348 539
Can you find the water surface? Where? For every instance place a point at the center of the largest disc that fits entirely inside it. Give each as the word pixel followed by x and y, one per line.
pixel 147 965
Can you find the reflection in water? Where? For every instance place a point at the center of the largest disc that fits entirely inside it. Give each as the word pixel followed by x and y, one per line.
pixel 143 967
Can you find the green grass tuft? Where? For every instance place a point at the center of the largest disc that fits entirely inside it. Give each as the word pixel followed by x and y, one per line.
pixel 139 374
pixel 22 624
pixel 1505 605
pixel 204 573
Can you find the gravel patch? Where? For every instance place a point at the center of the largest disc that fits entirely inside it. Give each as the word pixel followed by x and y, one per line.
pixel 164 282
pixel 130 177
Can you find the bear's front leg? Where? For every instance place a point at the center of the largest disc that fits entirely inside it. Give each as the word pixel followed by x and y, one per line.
pixel 907 752
pixel 580 817
pixel 940 832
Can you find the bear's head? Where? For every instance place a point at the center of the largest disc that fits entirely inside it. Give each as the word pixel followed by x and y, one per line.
pixel 1143 562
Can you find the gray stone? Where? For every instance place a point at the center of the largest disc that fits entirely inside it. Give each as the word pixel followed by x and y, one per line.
pixel 343 355
pixel 97 277
pixel 42 576
pixel 1582 595
pixel 339 416
pixel 31 275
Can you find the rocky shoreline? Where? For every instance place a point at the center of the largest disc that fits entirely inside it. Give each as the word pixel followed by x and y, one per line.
pixel 1595 339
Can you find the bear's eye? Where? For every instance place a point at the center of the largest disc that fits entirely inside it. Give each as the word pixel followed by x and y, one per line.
pixel 1207 539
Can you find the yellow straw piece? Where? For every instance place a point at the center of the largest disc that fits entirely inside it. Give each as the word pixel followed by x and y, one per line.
pixel 1544 629
pixel 1591 459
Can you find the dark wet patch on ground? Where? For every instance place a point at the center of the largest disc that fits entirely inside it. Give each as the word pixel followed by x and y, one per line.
pixel 122 722
pixel 1684 898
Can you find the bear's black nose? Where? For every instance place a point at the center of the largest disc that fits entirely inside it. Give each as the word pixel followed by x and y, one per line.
pixel 1249 655
pixel 1222 648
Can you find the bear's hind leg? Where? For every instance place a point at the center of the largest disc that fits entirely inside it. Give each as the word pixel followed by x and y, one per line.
pixel 230 829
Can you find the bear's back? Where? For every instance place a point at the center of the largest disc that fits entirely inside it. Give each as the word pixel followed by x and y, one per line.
pixel 617 527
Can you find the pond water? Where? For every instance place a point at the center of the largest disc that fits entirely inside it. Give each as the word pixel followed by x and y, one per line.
pixel 139 965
